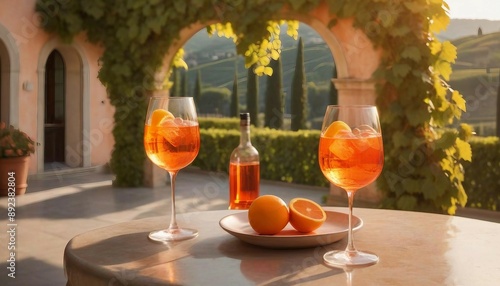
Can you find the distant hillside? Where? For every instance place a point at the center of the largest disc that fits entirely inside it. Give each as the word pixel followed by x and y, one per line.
pixel 475 73
pixel 459 28
pixel 476 76
pixel 216 60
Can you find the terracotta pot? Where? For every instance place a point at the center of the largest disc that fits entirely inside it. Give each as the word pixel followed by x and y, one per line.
pixel 17 168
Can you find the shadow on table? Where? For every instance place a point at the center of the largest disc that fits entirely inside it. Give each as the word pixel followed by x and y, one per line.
pixel 273 266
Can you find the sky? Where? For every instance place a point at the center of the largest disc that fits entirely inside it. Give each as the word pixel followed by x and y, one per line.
pixel 474 9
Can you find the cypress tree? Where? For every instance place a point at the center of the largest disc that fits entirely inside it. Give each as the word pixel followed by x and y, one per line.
pixel 299 92
pixel 234 110
pixel 334 95
pixel 175 90
pixel 253 96
pixel 184 88
pixel 274 97
pixel 197 89
pixel 498 107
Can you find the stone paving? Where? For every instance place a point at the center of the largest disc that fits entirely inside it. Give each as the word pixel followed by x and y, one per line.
pixel 58 207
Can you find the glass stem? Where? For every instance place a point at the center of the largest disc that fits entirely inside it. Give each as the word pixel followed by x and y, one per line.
pixel 348 274
pixel 350 249
pixel 173 221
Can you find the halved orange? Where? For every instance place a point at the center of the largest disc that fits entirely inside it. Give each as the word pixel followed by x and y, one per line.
pixel 268 214
pixel 306 215
pixel 335 127
pixel 158 115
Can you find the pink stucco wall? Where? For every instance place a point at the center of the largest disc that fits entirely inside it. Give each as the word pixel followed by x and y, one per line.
pixel 23 25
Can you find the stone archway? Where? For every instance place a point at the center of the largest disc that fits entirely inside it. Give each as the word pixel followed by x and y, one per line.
pixel 9 77
pixel 77 106
pixel 353 52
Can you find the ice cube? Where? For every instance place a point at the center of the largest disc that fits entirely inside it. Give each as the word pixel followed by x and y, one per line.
pixel 363 134
pixel 364 131
pixel 342 148
pixel 169 130
pixel 179 121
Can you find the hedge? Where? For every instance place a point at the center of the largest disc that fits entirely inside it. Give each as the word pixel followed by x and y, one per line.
pixel 284 156
pixel 482 175
pixel 293 157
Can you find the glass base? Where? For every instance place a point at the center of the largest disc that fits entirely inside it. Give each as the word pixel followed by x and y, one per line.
pixel 167 235
pixel 343 259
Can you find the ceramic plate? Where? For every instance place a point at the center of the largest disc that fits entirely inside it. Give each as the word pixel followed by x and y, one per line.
pixel 333 229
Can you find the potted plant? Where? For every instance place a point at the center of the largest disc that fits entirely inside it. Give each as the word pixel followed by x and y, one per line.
pixel 15 150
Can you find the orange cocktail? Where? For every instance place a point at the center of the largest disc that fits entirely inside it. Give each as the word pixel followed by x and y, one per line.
pixel 351 156
pixel 172 144
pixel 351 161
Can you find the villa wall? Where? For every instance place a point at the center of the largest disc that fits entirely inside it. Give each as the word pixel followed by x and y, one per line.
pixel 89 115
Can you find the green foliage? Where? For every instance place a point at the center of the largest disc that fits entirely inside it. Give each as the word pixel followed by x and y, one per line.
pixel 498 107
pixel 214 100
pixel 234 109
pixel 184 85
pixel 176 89
pixel 482 181
pixel 219 123
pixel 253 96
pixel 299 92
pixel 197 90
pixel 275 106
pixel 413 98
pixel 14 142
pixel 334 94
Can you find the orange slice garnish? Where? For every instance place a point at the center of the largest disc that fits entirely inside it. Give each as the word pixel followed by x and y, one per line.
pixel 336 127
pixel 158 115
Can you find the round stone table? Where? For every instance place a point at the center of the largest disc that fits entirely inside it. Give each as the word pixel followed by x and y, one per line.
pixel 414 249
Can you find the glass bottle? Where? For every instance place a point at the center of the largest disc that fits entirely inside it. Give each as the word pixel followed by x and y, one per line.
pixel 244 169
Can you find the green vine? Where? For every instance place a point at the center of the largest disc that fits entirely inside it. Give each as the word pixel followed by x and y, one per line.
pixel 423 159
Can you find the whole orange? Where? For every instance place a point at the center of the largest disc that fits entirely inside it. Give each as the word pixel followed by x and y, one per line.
pixel 268 214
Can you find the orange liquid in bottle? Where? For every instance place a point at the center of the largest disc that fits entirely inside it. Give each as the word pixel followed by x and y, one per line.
pixel 172 147
pixel 351 163
pixel 243 184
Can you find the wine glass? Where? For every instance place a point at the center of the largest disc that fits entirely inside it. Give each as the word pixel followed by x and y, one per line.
pixel 351 156
pixel 172 142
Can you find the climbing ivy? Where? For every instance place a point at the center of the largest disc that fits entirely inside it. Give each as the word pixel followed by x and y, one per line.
pixel 423 159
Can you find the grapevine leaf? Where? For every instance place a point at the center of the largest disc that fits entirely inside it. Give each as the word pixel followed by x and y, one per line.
pixel 459 100
pixel 406 202
pixel 401 70
pixel 446 141
pixel 414 7
pixel 268 71
pixel 464 149
pixel 411 52
pixel 429 190
pixel 439 23
pixel 444 69
pixel 399 31
pixel 448 52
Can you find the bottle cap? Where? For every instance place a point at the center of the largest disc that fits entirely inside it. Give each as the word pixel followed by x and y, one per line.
pixel 244 119
pixel 244 116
